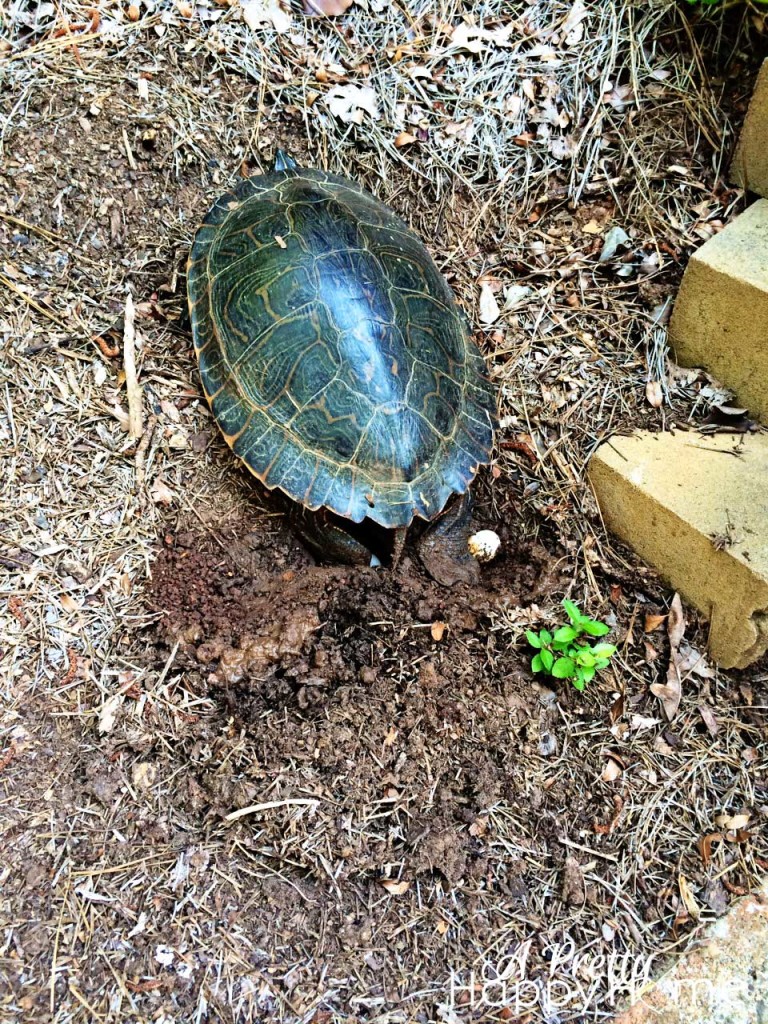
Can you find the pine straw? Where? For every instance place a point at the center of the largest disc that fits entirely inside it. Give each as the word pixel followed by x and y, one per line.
pixel 85 506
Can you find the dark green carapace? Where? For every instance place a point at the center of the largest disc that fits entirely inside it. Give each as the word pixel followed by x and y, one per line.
pixel 331 350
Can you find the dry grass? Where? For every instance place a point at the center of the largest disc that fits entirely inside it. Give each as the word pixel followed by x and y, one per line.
pixel 125 896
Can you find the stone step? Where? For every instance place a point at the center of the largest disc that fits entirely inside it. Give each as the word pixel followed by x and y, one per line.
pixel 722 980
pixel 696 508
pixel 750 163
pixel 720 318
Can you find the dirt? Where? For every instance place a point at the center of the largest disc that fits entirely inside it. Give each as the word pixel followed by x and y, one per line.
pixel 302 660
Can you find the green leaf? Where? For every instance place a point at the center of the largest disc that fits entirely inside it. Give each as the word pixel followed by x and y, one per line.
pixel 562 645
pixel 585 657
pixel 572 611
pixel 578 683
pixel 545 636
pixel 595 628
pixel 533 640
pixel 563 668
pixel 601 663
pixel 547 660
pixel 536 663
pixel 565 634
pixel 604 650
pixel 587 673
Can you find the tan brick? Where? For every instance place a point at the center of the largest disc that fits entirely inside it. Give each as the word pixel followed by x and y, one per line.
pixel 720 318
pixel 722 980
pixel 750 162
pixel 696 508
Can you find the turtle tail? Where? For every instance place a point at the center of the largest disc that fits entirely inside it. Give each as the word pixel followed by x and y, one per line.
pixel 284 162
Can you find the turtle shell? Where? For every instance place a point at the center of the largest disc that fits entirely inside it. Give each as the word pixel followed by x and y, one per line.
pixel 332 352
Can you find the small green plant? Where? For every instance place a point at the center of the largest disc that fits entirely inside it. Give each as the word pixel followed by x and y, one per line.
pixel 567 653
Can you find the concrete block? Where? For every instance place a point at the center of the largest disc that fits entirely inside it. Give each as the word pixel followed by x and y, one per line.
pixel 696 508
pixel 720 318
pixel 750 162
pixel 721 980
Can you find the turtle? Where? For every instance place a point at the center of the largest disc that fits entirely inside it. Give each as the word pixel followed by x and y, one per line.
pixel 338 365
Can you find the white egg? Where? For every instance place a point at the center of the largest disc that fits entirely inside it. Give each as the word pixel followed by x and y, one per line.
pixel 484 545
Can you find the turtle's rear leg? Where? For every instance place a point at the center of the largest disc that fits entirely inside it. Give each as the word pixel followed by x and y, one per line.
pixel 443 548
pixel 327 539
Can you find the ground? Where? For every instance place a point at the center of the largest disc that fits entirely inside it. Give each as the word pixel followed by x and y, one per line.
pixel 237 785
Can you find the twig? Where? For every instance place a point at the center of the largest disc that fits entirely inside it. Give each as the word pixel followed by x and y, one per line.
pixel 269 805
pixel 132 386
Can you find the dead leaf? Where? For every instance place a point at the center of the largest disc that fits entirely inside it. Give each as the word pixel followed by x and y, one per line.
pixel 732 822
pixel 670 693
pixel 108 713
pixel 326 8
pixel 572 28
pixel 391 736
pixel 489 307
pixel 265 12
pixel 661 746
pixel 404 139
pixel 617 709
pixel 350 103
pixel 653 622
pixel 160 493
pixel 676 624
pixel 689 900
pixel 705 846
pixel 143 775
pixel 437 629
pixel 69 604
pixel 395 887
pixel 281 241
pixel 651 654
pixel 573 882
pixel 694 661
pixel 478 827
pixel 639 723
pixel 654 394
pixel 710 721
pixel 612 770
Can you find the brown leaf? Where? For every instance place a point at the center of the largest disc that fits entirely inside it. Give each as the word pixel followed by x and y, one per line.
pixel 689 900
pixel 395 887
pixel 391 736
pixel 437 629
pixel 732 822
pixel 676 623
pixel 612 770
pixel 705 846
pixel 404 139
pixel 694 661
pixel 653 622
pixel 651 654
pixel 670 693
pixel 160 493
pixel 617 709
pixel 573 882
pixel 710 721
pixel 654 394
pixel 325 8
